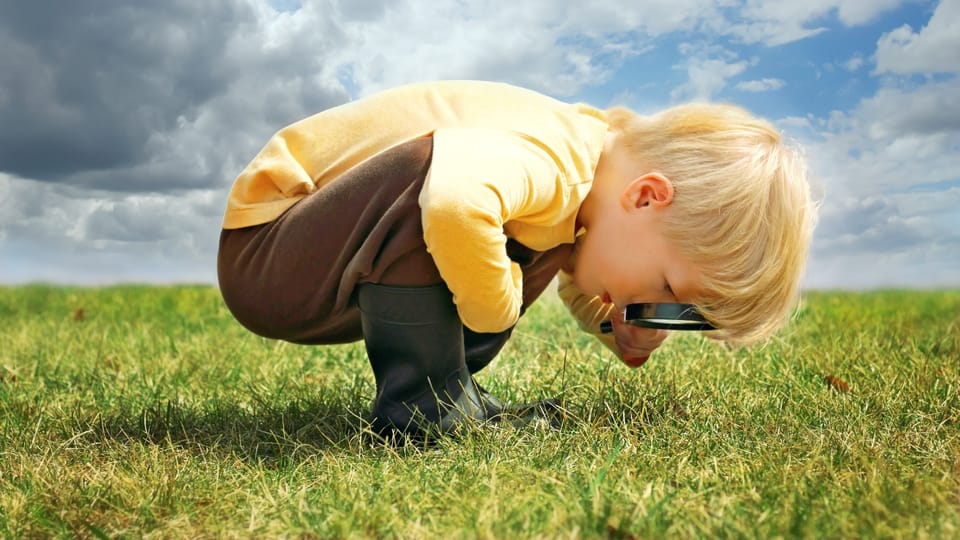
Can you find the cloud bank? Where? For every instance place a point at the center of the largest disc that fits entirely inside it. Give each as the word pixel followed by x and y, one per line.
pixel 122 126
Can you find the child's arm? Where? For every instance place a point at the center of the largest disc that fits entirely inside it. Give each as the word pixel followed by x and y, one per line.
pixel 479 179
pixel 635 344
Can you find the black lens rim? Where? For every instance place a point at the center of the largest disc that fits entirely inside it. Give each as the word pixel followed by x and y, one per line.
pixel 663 316
pixel 667 316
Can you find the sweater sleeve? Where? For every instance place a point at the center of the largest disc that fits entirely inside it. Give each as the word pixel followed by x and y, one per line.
pixel 589 311
pixel 479 180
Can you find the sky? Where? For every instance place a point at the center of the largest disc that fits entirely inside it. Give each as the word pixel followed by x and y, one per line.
pixel 123 124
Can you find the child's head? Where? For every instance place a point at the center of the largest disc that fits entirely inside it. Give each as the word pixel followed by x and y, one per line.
pixel 741 209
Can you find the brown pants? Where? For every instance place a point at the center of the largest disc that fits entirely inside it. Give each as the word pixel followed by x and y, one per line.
pixel 295 278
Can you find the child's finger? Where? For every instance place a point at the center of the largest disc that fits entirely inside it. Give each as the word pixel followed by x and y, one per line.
pixel 636 334
pixel 635 361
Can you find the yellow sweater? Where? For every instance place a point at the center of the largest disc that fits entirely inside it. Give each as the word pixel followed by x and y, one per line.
pixel 507 162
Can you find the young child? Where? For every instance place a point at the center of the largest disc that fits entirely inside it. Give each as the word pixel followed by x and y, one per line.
pixel 425 219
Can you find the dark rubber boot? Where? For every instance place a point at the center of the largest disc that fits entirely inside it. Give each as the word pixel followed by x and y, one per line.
pixel 414 341
pixel 480 349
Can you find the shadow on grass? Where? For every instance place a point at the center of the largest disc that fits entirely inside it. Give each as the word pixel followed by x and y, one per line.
pixel 280 429
pixel 264 432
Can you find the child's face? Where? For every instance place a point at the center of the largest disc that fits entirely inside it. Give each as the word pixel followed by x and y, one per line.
pixel 623 257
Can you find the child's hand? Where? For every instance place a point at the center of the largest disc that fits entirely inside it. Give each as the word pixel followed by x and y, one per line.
pixel 635 343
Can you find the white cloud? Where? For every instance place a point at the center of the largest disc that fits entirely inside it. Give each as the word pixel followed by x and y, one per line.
pixel 761 85
pixel 854 63
pixel 776 22
pixel 889 216
pixel 880 223
pixel 706 77
pixel 935 49
pixel 930 112
pixel 926 266
pixel 59 233
pixel 773 33
pixel 856 12
pixel 549 46
pixel 891 167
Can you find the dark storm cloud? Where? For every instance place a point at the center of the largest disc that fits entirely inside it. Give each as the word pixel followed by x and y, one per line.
pixel 87 83
pixel 152 96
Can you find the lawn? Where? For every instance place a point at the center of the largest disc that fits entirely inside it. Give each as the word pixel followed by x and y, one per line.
pixel 148 412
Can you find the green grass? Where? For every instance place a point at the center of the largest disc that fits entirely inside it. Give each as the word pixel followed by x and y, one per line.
pixel 153 414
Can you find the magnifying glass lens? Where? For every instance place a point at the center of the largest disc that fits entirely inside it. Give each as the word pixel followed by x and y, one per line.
pixel 666 316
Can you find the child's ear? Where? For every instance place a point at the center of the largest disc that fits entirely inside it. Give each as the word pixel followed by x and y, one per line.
pixel 651 189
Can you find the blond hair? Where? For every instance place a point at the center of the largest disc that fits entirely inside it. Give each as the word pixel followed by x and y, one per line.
pixel 742 210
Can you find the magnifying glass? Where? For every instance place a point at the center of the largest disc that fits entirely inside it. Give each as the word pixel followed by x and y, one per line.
pixel 663 316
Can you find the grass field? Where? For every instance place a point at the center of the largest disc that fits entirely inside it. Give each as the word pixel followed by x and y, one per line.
pixel 148 412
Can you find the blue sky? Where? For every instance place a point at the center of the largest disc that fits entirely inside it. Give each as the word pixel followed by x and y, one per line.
pixel 123 126
pixel 818 69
